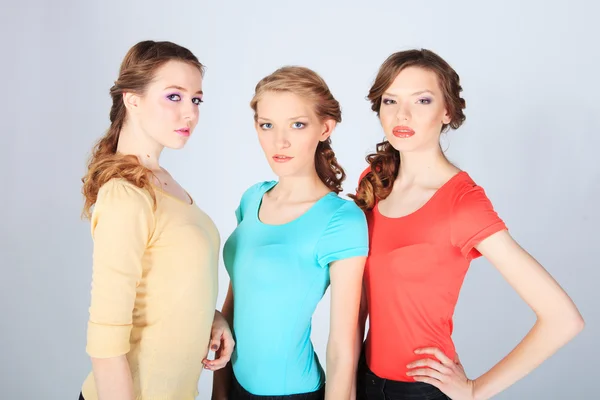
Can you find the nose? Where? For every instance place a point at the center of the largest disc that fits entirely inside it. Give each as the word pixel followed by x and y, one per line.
pixel 403 112
pixel 190 111
pixel 281 139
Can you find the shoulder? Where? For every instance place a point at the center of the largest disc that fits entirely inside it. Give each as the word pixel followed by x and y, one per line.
pixel 463 183
pixel 467 194
pixel 121 203
pixel 346 234
pixel 471 207
pixel 258 188
pixel 345 212
pixel 119 191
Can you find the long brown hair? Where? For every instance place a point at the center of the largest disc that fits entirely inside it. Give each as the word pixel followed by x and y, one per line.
pixel 384 164
pixel 138 69
pixel 307 84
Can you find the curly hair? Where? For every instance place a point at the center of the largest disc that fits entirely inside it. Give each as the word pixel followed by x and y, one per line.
pixel 384 164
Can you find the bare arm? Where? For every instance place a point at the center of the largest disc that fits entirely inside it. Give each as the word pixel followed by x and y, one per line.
pixel 558 321
pixel 363 313
pixel 346 284
pixel 113 378
pixel 222 377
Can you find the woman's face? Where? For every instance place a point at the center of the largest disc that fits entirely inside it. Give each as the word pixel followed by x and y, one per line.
pixel 413 110
pixel 168 111
pixel 289 132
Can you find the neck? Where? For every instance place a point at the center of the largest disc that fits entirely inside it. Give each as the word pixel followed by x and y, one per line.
pixel 422 166
pixel 134 142
pixel 300 187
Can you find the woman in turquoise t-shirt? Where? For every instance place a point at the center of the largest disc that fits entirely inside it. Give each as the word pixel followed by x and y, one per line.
pixel 294 236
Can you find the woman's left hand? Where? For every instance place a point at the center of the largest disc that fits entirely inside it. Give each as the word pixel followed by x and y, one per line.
pixel 445 374
pixel 221 342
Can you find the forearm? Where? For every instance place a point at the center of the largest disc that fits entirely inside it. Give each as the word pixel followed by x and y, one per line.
pixel 113 378
pixel 358 343
pixel 360 332
pixel 348 315
pixel 222 377
pixel 542 341
pixel 340 373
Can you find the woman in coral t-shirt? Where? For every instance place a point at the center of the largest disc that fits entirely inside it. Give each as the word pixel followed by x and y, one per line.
pixel 427 221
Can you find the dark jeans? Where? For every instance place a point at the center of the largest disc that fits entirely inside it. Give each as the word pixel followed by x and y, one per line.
pixel 371 387
pixel 239 393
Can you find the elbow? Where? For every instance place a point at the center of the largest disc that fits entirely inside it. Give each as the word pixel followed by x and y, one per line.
pixel 572 321
pixel 569 323
pixel 572 326
pixel 576 323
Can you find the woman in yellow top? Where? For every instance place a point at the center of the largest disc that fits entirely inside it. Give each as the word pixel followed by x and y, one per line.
pixel 154 283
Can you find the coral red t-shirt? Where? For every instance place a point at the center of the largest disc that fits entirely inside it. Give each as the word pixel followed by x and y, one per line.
pixel 415 269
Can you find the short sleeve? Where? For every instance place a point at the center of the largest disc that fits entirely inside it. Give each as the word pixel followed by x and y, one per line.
pixel 122 223
pixel 239 215
pixel 473 219
pixel 239 211
pixel 345 236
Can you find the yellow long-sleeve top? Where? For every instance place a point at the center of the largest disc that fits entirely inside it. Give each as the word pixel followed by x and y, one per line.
pixel 154 289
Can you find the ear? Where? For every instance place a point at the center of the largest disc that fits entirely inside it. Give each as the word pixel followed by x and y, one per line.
pixel 131 101
pixel 328 127
pixel 446 119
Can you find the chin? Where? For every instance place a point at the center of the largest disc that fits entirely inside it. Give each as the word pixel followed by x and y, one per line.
pixel 414 143
pixel 282 170
pixel 403 144
pixel 176 144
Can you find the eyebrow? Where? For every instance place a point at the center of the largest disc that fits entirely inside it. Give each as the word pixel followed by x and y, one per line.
pixel 182 89
pixel 290 119
pixel 413 94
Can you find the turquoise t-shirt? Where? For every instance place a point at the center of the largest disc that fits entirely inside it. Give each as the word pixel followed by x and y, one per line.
pixel 279 273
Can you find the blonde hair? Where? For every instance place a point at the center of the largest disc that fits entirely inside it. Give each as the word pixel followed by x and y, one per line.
pixel 307 84
pixel 138 69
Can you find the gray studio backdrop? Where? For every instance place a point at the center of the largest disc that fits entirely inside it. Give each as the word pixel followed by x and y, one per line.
pixel 529 72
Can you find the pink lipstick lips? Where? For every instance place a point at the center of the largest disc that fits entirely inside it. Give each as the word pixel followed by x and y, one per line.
pixel 183 132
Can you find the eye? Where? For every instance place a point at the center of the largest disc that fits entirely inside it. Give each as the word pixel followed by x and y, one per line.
pixel 424 101
pixel 388 101
pixel 174 97
pixel 298 125
pixel 197 101
pixel 266 125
